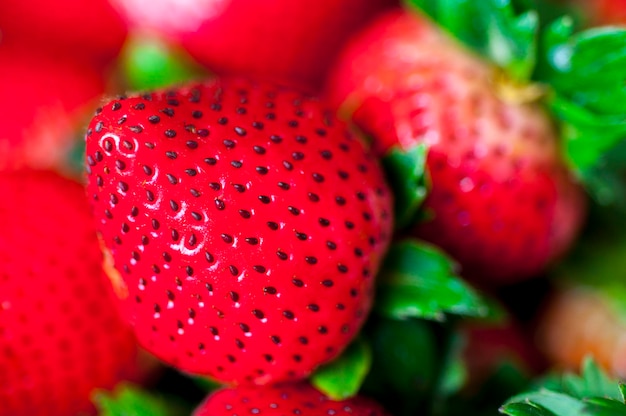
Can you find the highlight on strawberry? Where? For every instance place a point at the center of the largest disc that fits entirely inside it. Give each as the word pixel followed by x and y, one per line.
pixel 245 225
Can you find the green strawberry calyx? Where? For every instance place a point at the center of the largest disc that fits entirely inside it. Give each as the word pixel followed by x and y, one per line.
pixel 592 392
pixel 579 75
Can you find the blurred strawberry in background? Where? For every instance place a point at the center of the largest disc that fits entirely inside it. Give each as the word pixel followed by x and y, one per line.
pixel 42 101
pixel 73 29
pixel 585 313
pixel 502 201
pixel 60 333
pixel 54 64
pixel 290 42
pixel 604 12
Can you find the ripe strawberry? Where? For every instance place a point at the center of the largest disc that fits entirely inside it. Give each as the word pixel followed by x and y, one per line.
pixel 60 335
pixel 247 226
pixel 282 400
pixel 604 12
pixel 282 40
pixel 70 28
pixel 42 99
pixel 503 203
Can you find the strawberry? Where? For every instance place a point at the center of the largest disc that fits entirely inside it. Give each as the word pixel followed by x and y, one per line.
pixel 502 201
pixel 578 322
pixel 42 99
pixel 91 30
pixel 283 400
pixel 246 225
pixel 604 12
pixel 584 314
pixel 60 334
pixel 282 40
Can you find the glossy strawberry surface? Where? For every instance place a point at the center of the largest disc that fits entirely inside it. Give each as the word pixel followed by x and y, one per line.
pixel 283 400
pixel 60 333
pixel 246 225
pixel 502 201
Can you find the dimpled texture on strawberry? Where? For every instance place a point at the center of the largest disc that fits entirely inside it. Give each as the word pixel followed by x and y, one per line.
pixel 284 400
pixel 60 333
pixel 246 223
pixel 502 200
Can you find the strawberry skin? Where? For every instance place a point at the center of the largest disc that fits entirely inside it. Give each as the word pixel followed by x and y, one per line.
pixel 604 12
pixel 577 322
pixel 91 30
pixel 246 225
pixel 60 334
pixel 286 41
pixel 42 100
pixel 503 203
pixel 283 400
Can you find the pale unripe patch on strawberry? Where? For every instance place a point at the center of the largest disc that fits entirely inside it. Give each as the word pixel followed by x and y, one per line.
pixel 247 223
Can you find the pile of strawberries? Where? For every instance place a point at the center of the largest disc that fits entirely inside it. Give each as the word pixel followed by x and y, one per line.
pixel 362 198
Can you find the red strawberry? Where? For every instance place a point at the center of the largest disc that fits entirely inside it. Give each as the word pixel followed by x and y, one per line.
pixel 246 223
pixel 503 203
pixel 604 12
pixel 283 400
pixel 282 40
pixel 42 99
pixel 70 28
pixel 60 335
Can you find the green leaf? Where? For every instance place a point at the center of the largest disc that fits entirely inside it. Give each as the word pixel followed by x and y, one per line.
pixel 404 355
pixel 525 409
pixel 600 406
pixel 454 373
pixel 342 378
pixel 511 40
pixel 593 382
pixel 149 63
pixel 406 172
pixel 206 383
pixel 130 400
pixel 558 403
pixel 586 136
pixel 592 392
pixel 418 280
pixel 584 73
pixel 587 73
pixel 491 28
pixel 622 391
